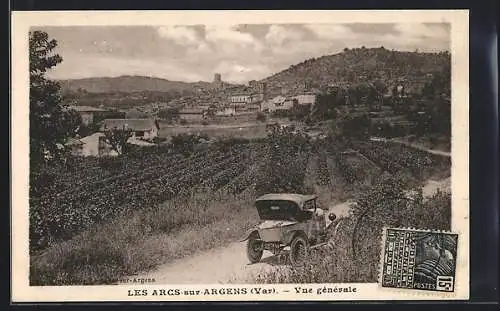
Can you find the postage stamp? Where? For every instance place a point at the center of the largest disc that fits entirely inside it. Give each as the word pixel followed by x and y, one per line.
pixel 418 259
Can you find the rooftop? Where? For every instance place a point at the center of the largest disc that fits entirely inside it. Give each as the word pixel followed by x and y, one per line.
pixel 294 197
pixel 191 111
pixel 133 124
pixel 86 109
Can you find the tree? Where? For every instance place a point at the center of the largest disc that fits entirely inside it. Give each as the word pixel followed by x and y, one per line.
pixel 169 114
pixel 51 123
pixel 118 138
pixel 261 116
pixel 324 109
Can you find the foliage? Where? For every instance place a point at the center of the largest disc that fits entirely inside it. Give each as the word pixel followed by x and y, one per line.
pixel 300 112
pixel 359 66
pixel 348 127
pixel 284 169
pixel 185 143
pixel 261 117
pixel 398 159
pixel 118 138
pixel 50 121
pixel 169 114
pixel 324 109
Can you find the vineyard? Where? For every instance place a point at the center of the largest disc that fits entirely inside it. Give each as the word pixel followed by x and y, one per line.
pixel 69 199
pixel 66 202
pixel 151 192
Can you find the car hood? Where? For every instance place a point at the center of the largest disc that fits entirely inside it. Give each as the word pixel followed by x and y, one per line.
pixel 267 224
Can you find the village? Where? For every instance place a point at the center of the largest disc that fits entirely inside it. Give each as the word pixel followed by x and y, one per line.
pixel 221 107
pixel 222 110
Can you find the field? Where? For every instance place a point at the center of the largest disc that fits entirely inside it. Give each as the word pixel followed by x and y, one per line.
pixel 249 131
pixel 225 127
pixel 94 221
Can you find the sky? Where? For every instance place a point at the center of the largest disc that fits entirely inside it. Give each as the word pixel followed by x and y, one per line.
pixel 239 52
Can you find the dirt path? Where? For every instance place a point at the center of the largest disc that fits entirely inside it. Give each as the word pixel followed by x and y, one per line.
pixel 415 146
pixel 229 264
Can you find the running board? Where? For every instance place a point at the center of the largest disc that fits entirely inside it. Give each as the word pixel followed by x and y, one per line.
pixel 318 245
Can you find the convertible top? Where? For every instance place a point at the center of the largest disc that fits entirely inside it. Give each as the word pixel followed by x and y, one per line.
pixel 299 199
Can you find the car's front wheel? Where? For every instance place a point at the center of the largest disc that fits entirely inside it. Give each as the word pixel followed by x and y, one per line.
pixel 298 250
pixel 254 249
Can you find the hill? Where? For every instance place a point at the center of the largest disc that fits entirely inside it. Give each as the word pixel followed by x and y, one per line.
pixel 129 84
pixel 360 65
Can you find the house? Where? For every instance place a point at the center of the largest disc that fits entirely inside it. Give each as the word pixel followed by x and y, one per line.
pixel 277 103
pixel 247 109
pixel 75 146
pixel 256 98
pixel 141 128
pixel 92 115
pixel 94 145
pixel 240 98
pixel 192 114
pixel 88 113
pixel 227 112
pixel 306 99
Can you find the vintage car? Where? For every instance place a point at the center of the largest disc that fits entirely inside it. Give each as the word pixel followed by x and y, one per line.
pixel 288 221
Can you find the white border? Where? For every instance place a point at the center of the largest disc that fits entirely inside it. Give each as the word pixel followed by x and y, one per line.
pixel 22 21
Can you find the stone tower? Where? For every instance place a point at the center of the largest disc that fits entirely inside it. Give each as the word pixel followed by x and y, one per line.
pixel 217 78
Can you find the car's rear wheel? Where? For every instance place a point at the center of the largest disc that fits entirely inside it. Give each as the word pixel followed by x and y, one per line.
pixel 255 249
pixel 298 250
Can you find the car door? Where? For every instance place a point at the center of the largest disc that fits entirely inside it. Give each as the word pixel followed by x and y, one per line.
pixel 311 222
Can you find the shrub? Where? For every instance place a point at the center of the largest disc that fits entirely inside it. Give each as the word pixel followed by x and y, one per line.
pixel 261 117
pixel 184 143
pixel 285 169
pixel 111 163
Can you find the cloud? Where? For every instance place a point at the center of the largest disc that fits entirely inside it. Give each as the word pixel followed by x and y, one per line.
pixel 229 40
pixel 179 34
pixel 217 33
pixel 422 31
pixel 240 72
pixel 277 35
pixel 330 31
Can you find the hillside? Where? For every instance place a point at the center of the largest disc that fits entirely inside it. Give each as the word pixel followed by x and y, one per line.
pixel 353 66
pixel 129 84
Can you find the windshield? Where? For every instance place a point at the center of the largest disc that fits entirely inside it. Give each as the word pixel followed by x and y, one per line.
pixel 278 210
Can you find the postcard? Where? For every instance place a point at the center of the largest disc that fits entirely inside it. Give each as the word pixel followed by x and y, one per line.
pixel 240 155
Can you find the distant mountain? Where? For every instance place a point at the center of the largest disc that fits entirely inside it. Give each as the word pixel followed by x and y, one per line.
pixel 361 65
pixel 130 84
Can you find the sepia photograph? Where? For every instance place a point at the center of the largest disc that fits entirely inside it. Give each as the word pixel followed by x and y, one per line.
pixel 245 153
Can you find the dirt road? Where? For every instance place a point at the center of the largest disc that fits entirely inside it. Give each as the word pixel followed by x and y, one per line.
pixel 229 264
pixel 415 146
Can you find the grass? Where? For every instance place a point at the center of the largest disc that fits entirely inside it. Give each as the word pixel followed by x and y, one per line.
pixel 249 132
pixel 145 239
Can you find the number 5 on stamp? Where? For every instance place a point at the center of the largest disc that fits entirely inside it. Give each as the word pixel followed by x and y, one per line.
pixel 445 283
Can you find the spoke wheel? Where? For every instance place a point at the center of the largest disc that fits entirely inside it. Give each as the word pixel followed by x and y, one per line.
pixel 298 250
pixel 254 249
